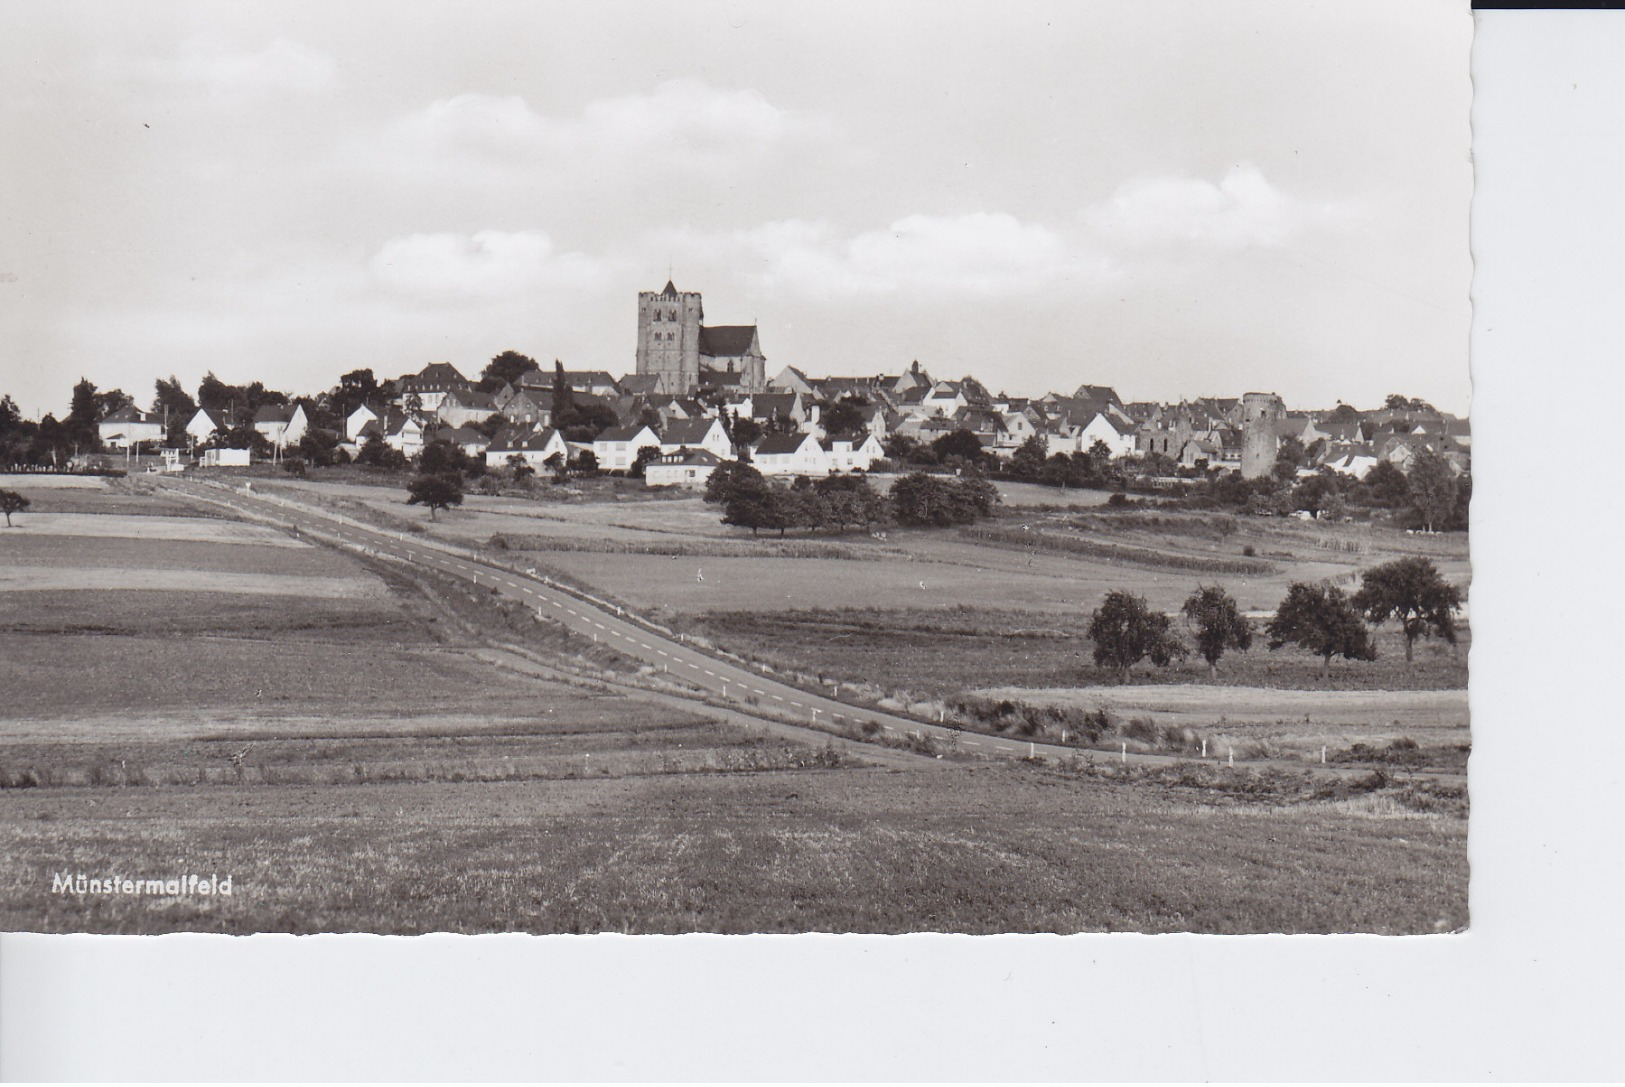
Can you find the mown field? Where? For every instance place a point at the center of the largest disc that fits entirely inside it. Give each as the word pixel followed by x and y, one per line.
pixel 361 764
pixel 738 848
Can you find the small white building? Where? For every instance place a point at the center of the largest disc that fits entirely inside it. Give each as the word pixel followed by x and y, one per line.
pixel 358 419
pixel 405 435
pixel 853 452
pixel 205 424
pixel 707 434
pixel 790 455
pixel 690 469
pixel 281 424
pixel 617 448
pixel 535 447
pixel 130 426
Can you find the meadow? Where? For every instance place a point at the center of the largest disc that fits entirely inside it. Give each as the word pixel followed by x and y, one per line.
pixel 362 763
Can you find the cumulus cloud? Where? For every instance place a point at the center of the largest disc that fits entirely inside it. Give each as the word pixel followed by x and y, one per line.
pixel 485 264
pixel 1242 209
pixel 223 70
pixel 684 122
pixel 975 254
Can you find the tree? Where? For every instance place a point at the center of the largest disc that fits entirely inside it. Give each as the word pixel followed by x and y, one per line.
pixel 439 491
pixel 11 502
pixel 320 447
pixel 504 369
pixel 1028 461
pixel 586 463
pixel 1321 619
pixel 646 453
pixel 754 503
pixel 355 388
pixel 440 457
pixel 1289 457
pixel 958 443
pixel 1387 485
pixel 564 400
pixel 744 431
pixel 519 467
pixel 1411 591
pixel 83 414
pixel 377 453
pixel 1217 624
pixel 1433 489
pixel 724 477
pixel 176 407
pixel 559 465
pixel 845 415
pixel 1125 631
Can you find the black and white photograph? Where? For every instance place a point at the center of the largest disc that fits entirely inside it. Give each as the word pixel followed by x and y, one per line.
pixel 567 468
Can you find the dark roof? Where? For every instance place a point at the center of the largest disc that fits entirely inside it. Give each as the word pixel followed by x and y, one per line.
pixel 471 398
pixel 856 437
pixel 766 405
pixel 273 413
pixel 691 456
pixel 716 378
pixel 780 443
pixel 623 433
pixel 435 376
pixel 723 341
pixel 687 431
pixel 462 435
pixel 129 413
pixel 640 384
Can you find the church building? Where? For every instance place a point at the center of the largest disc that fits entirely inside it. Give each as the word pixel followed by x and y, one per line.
pixel 683 354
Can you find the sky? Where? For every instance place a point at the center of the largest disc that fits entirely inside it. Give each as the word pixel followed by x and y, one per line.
pixel 1177 198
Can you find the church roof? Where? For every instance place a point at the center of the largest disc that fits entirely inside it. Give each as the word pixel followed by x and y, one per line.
pixel 723 341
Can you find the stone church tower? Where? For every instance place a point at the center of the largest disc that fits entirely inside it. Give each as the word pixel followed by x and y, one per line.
pixel 669 338
pixel 675 347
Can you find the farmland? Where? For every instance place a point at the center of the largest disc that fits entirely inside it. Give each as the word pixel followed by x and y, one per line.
pixel 344 739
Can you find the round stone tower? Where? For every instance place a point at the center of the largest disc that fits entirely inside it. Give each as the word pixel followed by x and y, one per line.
pixel 1260 434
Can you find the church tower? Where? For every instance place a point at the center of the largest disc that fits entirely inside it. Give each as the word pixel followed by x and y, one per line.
pixel 669 338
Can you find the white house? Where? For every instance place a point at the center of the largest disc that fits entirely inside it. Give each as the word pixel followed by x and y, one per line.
pixel 405 435
pixel 430 385
pixel 617 448
pixel 707 434
pixel 1101 427
pixel 854 452
pixel 129 426
pixel 790 455
pixel 281 424
pixel 356 420
pixel 689 469
pixel 205 424
pixel 536 447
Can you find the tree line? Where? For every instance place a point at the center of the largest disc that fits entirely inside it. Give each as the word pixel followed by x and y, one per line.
pixel 842 503
pixel 1318 617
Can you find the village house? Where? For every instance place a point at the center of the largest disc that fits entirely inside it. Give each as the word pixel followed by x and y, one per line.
pixel 617 448
pixel 855 452
pixel 707 434
pixel 689 469
pixel 460 407
pixel 130 426
pixel 281 424
pixel 523 409
pixel 358 419
pixel 790 455
pixel 534 447
pixel 430 385
pixel 205 424
pixel 470 440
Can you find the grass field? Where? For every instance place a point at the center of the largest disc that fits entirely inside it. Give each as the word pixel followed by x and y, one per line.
pixel 359 764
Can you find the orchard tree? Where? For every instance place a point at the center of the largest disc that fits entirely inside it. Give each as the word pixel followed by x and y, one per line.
pixel 11 502
pixel 1321 619
pixel 1125 632
pixel 438 491
pixel 1433 490
pixel 1387 485
pixel 646 453
pixel 1217 624
pixel 1411 591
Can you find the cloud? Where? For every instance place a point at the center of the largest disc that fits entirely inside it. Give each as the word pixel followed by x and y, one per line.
pixel 973 254
pixel 1242 209
pixel 682 123
pixel 223 71
pixel 487 264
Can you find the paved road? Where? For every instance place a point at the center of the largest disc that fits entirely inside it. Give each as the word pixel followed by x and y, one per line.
pixel 718 678
pixel 728 681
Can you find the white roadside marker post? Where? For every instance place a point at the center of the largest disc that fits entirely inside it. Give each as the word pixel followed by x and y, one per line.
pixel 1204 747
pixel 1323 754
pixel 1125 752
pixel 1232 756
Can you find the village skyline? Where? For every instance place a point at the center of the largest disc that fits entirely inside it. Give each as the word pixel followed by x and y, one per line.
pixel 296 191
